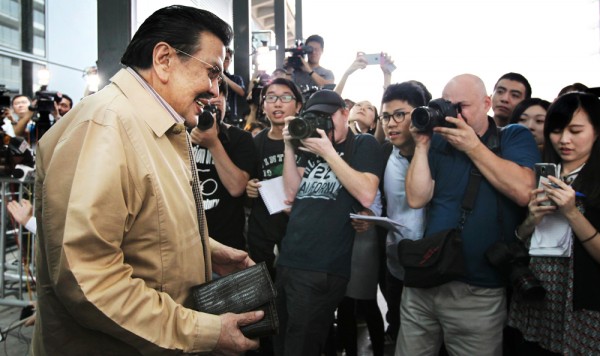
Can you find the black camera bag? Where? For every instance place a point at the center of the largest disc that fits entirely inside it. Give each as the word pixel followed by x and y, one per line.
pixel 432 260
pixel 438 258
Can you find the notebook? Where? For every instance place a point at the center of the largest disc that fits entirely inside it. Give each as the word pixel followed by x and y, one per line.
pixel 273 194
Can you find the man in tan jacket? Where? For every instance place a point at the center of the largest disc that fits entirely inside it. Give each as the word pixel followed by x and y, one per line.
pixel 120 243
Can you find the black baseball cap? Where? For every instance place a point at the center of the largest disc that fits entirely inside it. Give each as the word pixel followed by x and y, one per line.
pixel 326 101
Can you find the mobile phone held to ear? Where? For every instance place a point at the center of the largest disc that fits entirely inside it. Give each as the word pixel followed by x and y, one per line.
pixel 542 171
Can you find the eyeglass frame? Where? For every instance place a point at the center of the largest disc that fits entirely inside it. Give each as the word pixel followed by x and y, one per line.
pixel 212 72
pixel 393 117
pixel 279 97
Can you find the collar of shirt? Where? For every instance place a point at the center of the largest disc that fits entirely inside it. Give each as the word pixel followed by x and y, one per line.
pixel 176 117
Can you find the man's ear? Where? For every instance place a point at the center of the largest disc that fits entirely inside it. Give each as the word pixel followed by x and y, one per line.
pixel 162 60
pixel 488 103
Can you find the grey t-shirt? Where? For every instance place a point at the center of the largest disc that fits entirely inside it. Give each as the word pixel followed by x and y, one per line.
pixel 304 81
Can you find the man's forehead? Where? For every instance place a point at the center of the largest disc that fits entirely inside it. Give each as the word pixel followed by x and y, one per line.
pixel 511 85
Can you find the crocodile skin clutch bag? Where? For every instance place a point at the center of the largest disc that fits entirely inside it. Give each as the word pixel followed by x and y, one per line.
pixel 247 290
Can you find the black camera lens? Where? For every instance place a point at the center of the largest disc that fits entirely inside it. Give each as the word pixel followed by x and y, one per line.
pixel 425 118
pixel 206 119
pixel 300 128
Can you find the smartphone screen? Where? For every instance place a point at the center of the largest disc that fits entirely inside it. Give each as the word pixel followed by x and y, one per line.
pixel 542 171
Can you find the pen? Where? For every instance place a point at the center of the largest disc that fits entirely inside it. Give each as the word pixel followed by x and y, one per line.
pixel 577 194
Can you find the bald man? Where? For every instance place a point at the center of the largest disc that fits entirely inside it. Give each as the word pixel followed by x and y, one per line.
pixel 467 314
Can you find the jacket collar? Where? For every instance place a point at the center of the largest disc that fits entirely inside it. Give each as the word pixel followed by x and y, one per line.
pixel 156 112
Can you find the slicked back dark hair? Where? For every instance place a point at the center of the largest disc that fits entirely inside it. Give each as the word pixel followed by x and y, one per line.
pixel 558 117
pixel 526 104
pixel 414 94
pixel 179 26
pixel 517 78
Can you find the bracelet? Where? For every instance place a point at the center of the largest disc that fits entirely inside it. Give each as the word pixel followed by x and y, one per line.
pixel 311 73
pixel 590 238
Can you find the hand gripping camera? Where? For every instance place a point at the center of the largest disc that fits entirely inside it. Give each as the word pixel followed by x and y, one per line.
pixel 295 60
pixel 425 118
pixel 306 125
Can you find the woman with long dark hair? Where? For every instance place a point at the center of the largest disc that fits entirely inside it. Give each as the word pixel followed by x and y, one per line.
pixel 567 320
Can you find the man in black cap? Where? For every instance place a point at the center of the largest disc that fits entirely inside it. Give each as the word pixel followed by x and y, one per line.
pixel 337 173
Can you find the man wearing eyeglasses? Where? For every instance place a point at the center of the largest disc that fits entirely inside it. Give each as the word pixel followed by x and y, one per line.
pixel 121 240
pixel 338 175
pixel 398 102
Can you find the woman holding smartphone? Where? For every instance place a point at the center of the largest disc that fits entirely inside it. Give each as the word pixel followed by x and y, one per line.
pixel 567 321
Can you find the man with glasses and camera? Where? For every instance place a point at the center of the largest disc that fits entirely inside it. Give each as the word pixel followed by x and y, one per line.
pixel 122 234
pixel 397 103
pixel 338 173
pixel 467 313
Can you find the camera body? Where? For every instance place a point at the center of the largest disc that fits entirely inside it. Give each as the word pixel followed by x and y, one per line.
pixel 206 119
pixel 306 125
pixel 44 101
pixel 295 59
pixel 511 261
pixel 425 118
pixel 5 101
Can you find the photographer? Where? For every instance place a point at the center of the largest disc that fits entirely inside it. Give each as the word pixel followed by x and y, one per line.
pixel 467 313
pixel 310 73
pixel 235 85
pixel 566 321
pixel 20 107
pixel 337 173
pixel 225 157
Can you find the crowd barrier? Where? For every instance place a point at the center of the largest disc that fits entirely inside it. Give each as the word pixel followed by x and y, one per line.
pixel 17 280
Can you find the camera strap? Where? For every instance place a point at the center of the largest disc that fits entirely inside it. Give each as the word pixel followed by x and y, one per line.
pixel 492 142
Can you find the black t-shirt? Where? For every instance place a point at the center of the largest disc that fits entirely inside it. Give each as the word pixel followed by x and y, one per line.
pixel 319 235
pixel 262 225
pixel 224 213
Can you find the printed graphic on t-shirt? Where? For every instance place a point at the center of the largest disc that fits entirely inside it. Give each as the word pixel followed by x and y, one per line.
pixel 319 182
pixel 209 182
pixel 272 166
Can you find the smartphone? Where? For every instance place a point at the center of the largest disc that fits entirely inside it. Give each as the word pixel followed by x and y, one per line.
pixel 373 58
pixel 542 171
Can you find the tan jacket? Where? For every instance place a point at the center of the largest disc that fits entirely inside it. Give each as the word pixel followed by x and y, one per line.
pixel 119 246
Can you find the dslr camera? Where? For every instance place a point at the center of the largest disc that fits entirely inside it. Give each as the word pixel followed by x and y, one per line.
pixel 295 59
pixel 511 261
pixel 306 125
pixel 425 118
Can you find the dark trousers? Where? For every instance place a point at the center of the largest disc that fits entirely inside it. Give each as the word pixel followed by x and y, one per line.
pixel 393 296
pixel 306 302
pixel 347 332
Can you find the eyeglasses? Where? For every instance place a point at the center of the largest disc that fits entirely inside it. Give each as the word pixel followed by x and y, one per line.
pixel 214 72
pixel 398 117
pixel 284 98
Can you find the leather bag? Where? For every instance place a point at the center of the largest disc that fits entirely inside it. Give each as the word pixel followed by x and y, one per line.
pixel 247 290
